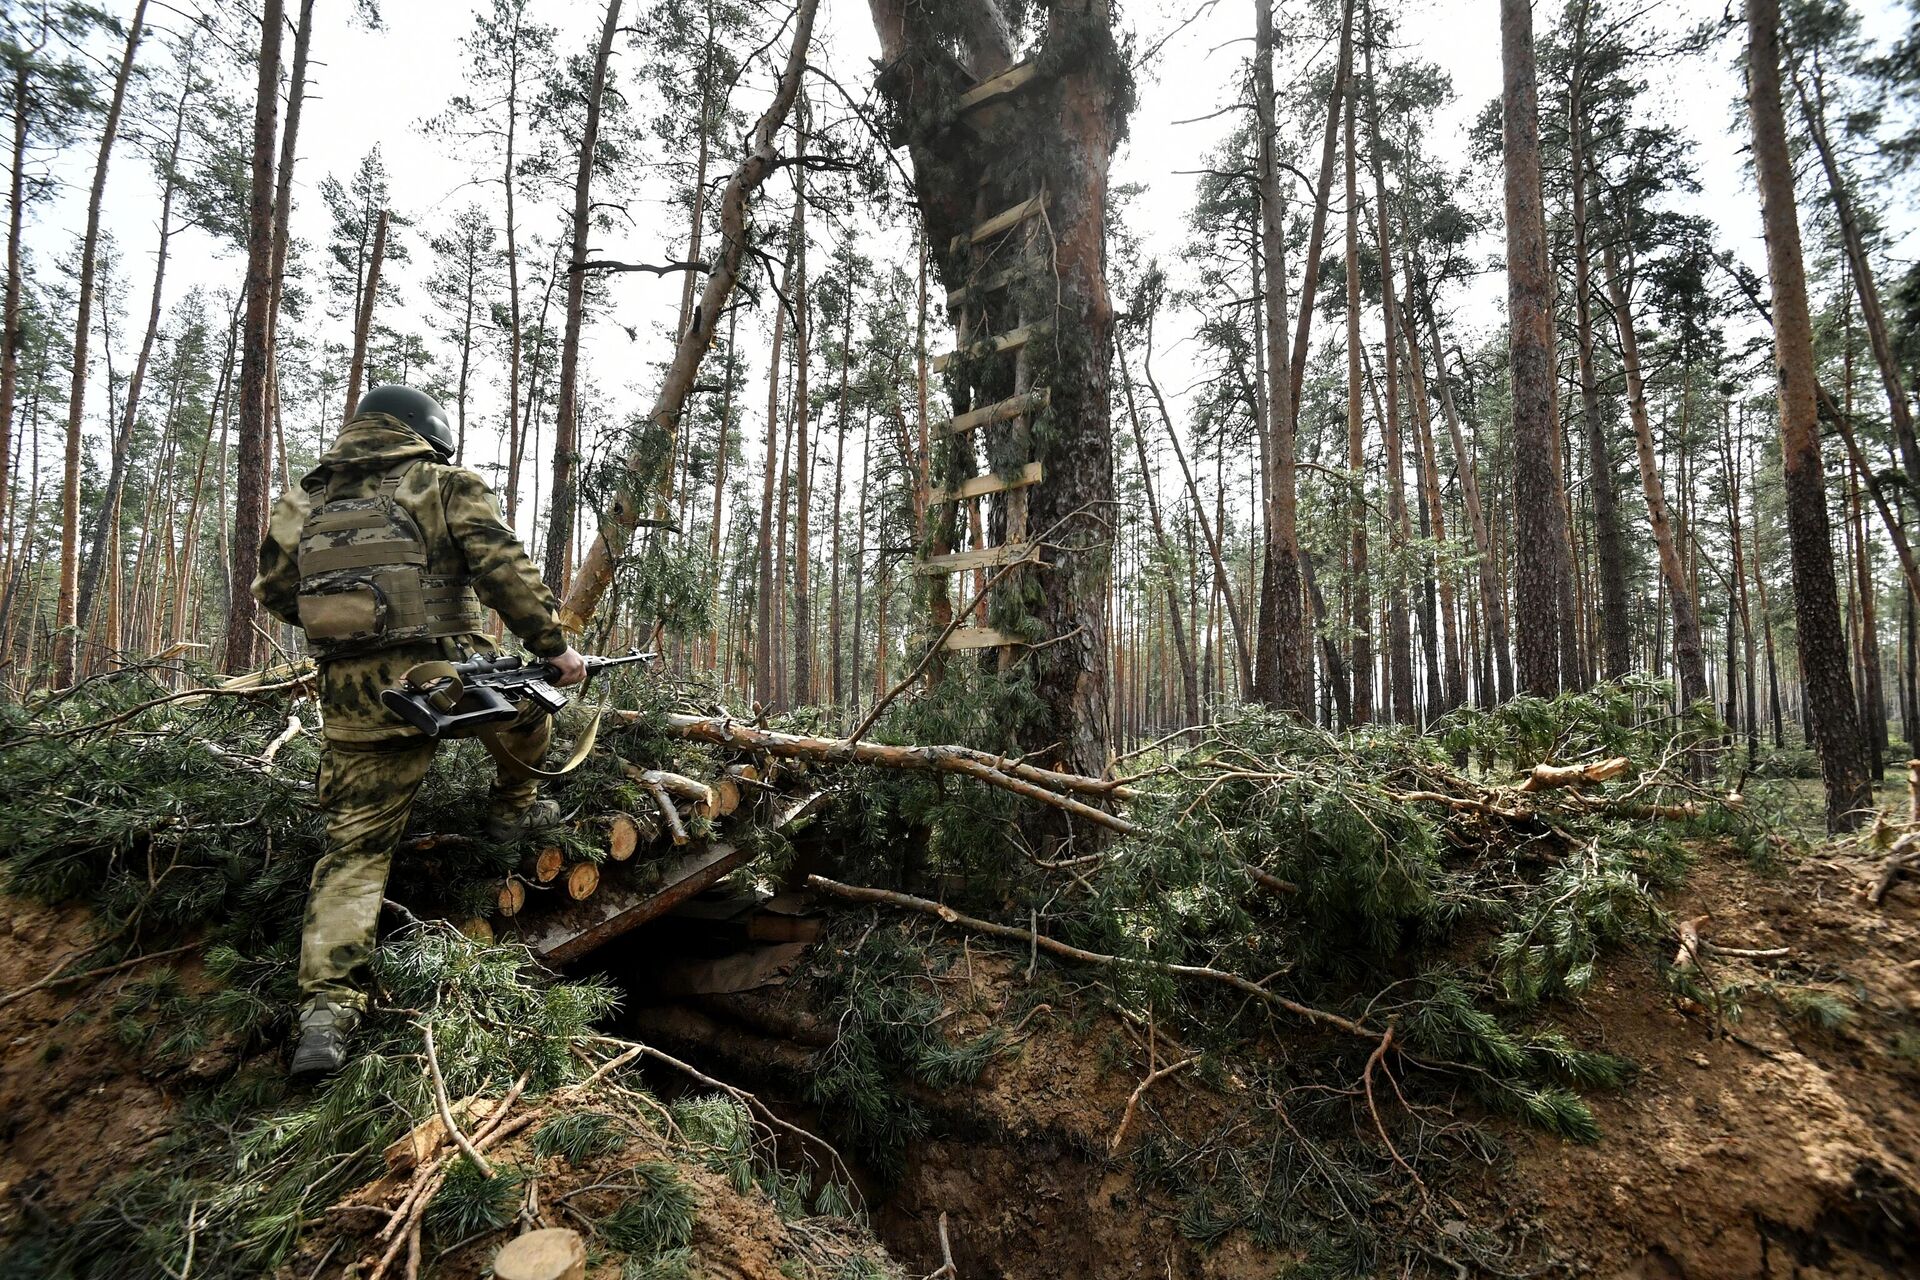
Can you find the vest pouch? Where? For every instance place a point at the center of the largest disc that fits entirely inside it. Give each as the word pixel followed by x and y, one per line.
pixel 349 612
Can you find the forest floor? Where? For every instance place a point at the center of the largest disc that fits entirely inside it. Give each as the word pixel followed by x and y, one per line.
pixel 1756 1146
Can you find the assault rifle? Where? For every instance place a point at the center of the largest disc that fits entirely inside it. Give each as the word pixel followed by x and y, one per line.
pixel 458 699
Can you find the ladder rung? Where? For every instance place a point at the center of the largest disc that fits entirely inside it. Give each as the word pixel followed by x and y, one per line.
pixel 993 283
pixel 1001 222
pixel 1003 411
pixel 1012 340
pixel 983 558
pixel 1012 80
pixel 981 486
pixel 979 638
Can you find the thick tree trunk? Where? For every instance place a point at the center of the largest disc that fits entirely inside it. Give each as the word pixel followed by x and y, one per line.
pixel 66 605
pixel 1281 677
pixel 1538 505
pixel 1816 607
pixel 566 424
pixel 596 571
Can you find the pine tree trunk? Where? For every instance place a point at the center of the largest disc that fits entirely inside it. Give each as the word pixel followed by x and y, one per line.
pixel 1282 677
pixel 123 441
pixel 10 335
pixel 1538 508
pixel 804 692
pixel 1609 538
pixel 1688 654
pixel 765 589
pixel 566 425
pixel 66 605
pixel 1360 604
pixel 1189 680
pixel 714 565
pixel 1821 643
pixel 282 214
pixel 1452 691
pixel 363 325
pixel 596 570
pixel 515 425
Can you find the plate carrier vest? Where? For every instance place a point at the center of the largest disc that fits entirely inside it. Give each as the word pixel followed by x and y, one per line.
pixel 363 580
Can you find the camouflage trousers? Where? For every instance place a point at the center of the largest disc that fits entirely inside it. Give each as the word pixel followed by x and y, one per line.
pixel 367 790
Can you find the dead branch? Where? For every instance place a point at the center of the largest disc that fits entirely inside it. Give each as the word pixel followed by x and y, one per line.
pixel 1139 1092
pixel 1044 785
pixel 1545 777
pixel 886 897
pixel 446 1109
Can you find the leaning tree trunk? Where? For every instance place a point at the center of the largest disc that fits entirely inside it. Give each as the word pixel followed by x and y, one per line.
pixel 10 337
pixel 363 325
pixel 66 604
pixel 616 527
pixel 1539 513
pixel 1687 651
pixel 566 428
pixel 1067 121
pixel 250 481
pixel 1816 604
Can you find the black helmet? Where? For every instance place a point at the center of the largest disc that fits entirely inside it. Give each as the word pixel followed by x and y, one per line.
pixel 416 409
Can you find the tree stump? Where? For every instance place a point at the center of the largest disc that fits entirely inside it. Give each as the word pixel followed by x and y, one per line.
pixel 553 1254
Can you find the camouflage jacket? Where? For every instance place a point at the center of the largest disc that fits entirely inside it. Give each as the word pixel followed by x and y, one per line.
pixel 465 536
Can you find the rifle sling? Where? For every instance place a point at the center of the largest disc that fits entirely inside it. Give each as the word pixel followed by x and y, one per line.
pixel 514 766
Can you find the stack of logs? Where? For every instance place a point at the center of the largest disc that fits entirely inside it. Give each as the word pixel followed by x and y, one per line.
pixel 676 801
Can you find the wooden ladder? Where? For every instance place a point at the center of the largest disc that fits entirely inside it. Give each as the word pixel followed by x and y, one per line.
pixel 1001 250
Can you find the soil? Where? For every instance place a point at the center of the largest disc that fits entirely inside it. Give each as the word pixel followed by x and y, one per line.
pixel 75 1108
pixel 1761 1147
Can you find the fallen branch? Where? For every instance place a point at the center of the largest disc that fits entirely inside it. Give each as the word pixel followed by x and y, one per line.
pixel 1053 946
pixel 446 1108
pixel 1545 777
pixel 56 978
pixel 1044 785
pixel 1133 1102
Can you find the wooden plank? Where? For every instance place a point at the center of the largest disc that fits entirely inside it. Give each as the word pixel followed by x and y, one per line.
pixel 1012 340
pixel 982 558
pixel 1012 80
pixel 999 280
pixel 981 486
pixel 624 905
pixel 1001 411
pixel 979 638
pixel 1000 223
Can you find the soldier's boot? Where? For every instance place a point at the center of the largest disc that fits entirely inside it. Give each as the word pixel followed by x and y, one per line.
pixel 506 824
pixel 325 1030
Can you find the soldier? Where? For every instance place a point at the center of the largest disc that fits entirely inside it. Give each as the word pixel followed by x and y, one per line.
pixel 385 556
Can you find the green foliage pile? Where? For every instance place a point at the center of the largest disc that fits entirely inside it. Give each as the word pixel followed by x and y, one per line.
pixel 162 820
pixel 1430 897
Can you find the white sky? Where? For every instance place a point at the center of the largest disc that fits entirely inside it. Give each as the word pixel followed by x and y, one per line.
pixel 369 87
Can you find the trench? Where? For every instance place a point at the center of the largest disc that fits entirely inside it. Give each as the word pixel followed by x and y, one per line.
pixel 1018 1204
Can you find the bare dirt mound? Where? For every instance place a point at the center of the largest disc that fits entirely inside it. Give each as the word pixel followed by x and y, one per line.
pixel 1763 1147
pixel 74 1106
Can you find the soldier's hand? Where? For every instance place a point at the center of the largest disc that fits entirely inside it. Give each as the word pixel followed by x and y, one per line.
pixel 571 666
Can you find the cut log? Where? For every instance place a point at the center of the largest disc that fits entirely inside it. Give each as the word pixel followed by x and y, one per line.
pixel 985 416
pixel 1000 223
pixel 513 897
pixel 743 773
pixel 668 813
pixel 547 864
pixel 994 88
pixel 981 486
pixel 674 784
pixel 979 638
pixel 554 1253
pixel 623 836
pixel 980 558
pixel 621 905
pixel 999 344
pixel 726 797
pixel 583 878
pixel 477 928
